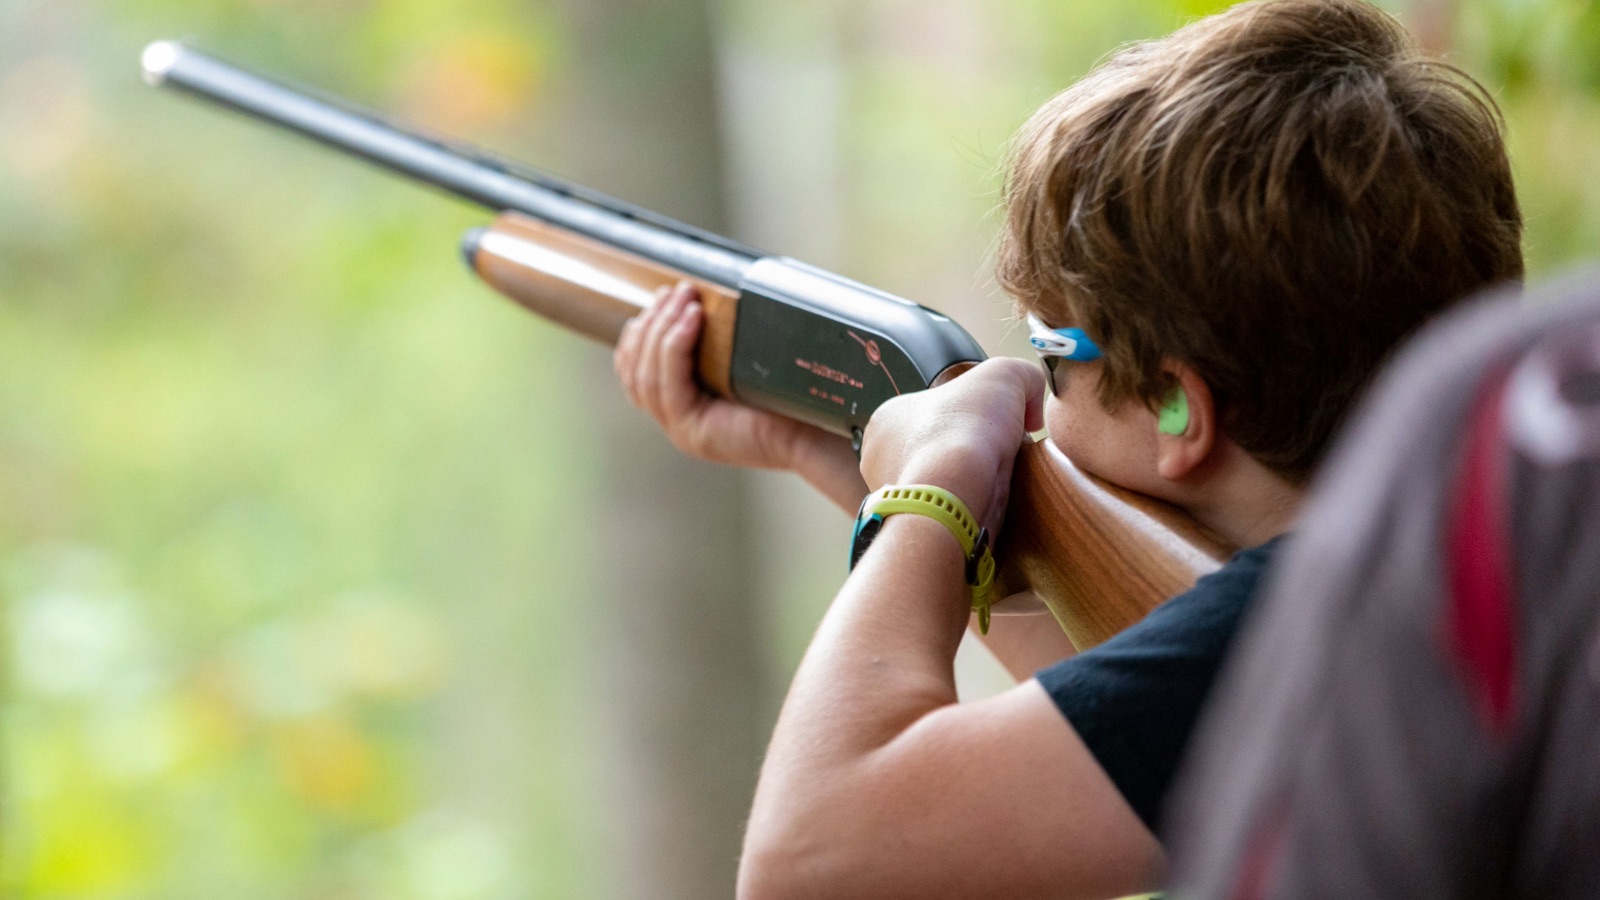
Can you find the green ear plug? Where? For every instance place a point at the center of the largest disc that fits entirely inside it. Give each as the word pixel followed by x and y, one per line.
pixel 1174 417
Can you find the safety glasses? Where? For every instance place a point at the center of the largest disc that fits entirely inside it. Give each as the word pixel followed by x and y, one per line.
pixel 1056 344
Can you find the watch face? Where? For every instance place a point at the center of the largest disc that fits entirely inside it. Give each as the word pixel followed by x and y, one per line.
pixel 866 530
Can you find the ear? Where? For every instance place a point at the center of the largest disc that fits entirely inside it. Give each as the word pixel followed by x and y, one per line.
pixel 1180 455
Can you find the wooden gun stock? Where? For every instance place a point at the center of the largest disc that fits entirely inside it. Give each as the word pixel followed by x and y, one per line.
pixel 1099 557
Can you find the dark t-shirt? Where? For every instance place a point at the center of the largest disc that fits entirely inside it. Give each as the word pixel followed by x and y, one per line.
pixel 1134 699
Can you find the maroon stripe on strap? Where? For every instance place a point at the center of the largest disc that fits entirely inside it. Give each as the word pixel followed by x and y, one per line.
pixel 1480 615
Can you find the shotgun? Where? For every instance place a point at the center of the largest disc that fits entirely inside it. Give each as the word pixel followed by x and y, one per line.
pixel 779 334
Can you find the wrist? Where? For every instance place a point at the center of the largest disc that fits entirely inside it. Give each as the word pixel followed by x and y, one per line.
pixel 954 472
pixel 808 447
pixel 826 462
pixel 918 552
pixel 930 544
pixel 942 509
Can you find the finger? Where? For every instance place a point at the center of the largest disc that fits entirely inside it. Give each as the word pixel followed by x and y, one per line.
pixel 1027 383
pixel 648 371
pixel 661 293
pixel 673 381
pixel 679 392
pixel 625 357
pixel 629 342
pixel 1033 387
pixel 648 312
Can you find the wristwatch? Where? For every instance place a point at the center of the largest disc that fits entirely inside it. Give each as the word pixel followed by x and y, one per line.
pixel 944 507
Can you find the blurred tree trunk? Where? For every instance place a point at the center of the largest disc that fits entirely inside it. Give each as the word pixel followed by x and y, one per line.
pixel 679 688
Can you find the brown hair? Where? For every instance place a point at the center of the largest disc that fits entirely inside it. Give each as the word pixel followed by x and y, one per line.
pixel 1275 196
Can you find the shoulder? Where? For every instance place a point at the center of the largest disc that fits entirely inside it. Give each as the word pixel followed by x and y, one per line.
pixel 1217 600
pixel 1134 699
pixel 1195 625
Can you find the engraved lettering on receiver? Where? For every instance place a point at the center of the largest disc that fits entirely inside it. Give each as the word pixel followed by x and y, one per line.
pixel 829 372
pixel 821 394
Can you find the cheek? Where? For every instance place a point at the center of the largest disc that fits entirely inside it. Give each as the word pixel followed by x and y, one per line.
pixel 1058 422
pixel 1075 415
pixel 1078 428
pixel 1098 442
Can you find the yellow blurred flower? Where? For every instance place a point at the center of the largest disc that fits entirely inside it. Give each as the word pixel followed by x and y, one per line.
pixel 326 761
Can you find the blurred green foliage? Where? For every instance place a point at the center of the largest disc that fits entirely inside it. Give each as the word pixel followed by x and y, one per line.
pixel 287 503
pixel 279 485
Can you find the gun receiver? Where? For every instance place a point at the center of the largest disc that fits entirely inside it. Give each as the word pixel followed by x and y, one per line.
pixel 779 334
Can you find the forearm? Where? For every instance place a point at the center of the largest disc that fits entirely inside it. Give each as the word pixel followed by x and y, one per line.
pixel 879 784
pixel 826 462
pixel 883 655
pixel 881 660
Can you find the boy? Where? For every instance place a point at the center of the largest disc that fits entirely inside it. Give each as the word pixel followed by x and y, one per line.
pixel 1217 237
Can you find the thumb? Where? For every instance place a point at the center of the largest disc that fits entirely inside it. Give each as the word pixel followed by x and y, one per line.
pixel 1033 387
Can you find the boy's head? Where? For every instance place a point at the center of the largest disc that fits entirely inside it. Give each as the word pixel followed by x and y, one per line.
pixel 1274 197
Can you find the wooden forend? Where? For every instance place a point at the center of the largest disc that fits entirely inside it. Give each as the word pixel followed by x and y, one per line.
pixel 594 289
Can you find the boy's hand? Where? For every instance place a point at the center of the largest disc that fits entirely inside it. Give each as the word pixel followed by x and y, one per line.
pixel 654 360
pixel 963 436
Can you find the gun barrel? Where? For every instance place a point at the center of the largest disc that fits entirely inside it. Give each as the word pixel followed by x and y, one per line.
pixel 464 171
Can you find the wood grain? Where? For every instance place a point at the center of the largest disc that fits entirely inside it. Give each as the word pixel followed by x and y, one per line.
pixel 1099 556
pixel 595 289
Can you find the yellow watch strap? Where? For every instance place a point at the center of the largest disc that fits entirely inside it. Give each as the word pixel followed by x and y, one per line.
pixel 947 509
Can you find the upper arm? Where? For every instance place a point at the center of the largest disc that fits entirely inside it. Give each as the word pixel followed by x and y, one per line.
pixel 993 798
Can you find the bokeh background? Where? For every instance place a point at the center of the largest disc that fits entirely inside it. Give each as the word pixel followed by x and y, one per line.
pixel 325 573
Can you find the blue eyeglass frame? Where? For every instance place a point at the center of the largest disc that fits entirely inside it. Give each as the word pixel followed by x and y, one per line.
pixel 1056 344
